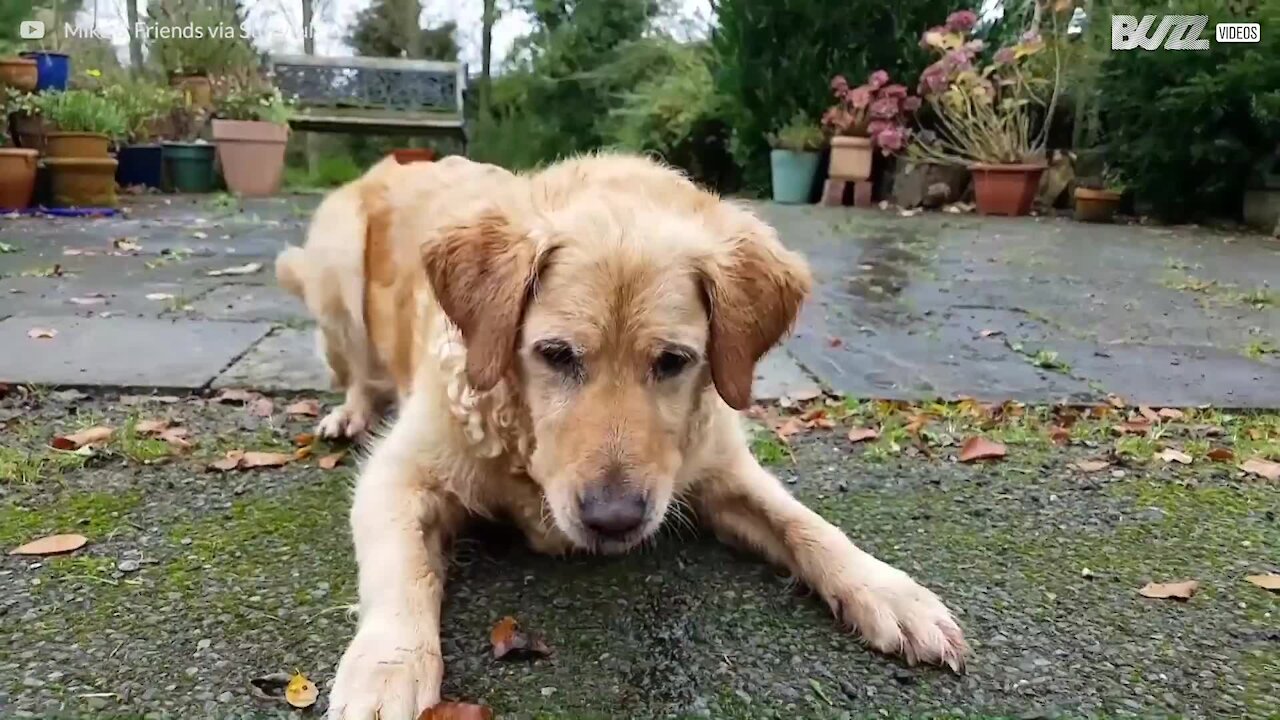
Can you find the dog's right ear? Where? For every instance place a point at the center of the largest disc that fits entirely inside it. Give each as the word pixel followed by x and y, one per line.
pixel 482 272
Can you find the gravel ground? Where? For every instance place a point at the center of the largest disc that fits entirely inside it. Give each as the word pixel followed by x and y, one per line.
pixel 195 582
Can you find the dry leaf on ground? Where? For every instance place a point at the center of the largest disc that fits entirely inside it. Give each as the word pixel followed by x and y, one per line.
pixel 509 640
pixel 248 269
pixel 230 461
pixel 1262 468
pixel 1174 455
pixel 51 545
pixel 152 427
pixel 978 448
pixel 300 692
pixel 255 459
pixel 308 407
pixel 1270 581
pixel 859 434
pixel 790 426
pixel 329 462
pixel 177 437
pixel 235 395
pixel 261 407
pixel 916 423
pixel 303 439
pixel 1181 590
pixel 456 711
pixel 1059 435
pixel 1133 427
pixel 1090 466
pixel 303 452
pixel 1116 401
pixel 97 435
pixel 1171 414
pixel 818 418
pixel 42 333
pixel 1149 414
pixel 1221 454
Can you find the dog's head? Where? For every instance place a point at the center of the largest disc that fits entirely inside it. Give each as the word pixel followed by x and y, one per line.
pixel 619 321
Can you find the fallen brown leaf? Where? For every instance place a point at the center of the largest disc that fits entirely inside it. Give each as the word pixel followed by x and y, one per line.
pixel 507 638
pixel 42 333
pixel 790 426
pixel 51 545
pixel 1090 466
pixel 917 422
pixel 1181 590
pixel 1270 581
pixel 306 407
pixel 235 395
pixel 1171 414
pixel 255 459
pixel 456 711
pixel 859 434
pixel 817 418
pixel 1221 454
pixel 1132 427
pixel 1059 435
pixel 230 461
pixel 261 407
pixel 1150 415
pixel 151 427
pixel 1116 401
pixel 96 435
pixel 1174 455
pixel 303 452
pixel 978 448
pixel 329 462
pixel 1262 468
pixel 177 437
pixel 300 692
pixel 302 439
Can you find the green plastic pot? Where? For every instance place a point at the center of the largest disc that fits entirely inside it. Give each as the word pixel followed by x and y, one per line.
pixel 188 167
pixel 793 174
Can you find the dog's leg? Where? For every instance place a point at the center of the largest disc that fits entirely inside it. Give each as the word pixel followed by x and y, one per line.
pixel 363 403
pixel 747 505
pixel 401 521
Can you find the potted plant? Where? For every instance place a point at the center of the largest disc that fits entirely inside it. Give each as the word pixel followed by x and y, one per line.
pixel 17 177
pixel 794 159
pixel 19 73
pixel 147 108
pixel 86 123
pixel 251 129
pixel 872 115
pixel 28 128
pixel 190 59
pixel 188 160
pixel 986 114
pixel 1099 204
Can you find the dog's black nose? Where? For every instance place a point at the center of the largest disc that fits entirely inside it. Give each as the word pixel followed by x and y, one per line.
pixel 612 511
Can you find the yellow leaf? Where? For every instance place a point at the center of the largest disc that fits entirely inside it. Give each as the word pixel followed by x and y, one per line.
pixel 51 545
pixel 1270 581
pixel 300 692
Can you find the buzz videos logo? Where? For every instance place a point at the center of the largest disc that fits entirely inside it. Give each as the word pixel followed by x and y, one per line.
pixel 1176 32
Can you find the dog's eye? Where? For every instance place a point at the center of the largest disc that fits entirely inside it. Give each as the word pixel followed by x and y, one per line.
pixel 560 356
pixel 670 364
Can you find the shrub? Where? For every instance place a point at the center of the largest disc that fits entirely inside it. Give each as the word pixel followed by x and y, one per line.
pixel 1186 127
pixel 255 103
pixel 82 111
pixel 145 106
pixel 800 135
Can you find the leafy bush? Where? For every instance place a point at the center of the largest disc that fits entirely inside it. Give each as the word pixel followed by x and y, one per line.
pixel 82 111
pixel 776 56
pixel 800 135
pixel 1186 128
pixel 331 171
pixel 144 105
pixel 255 103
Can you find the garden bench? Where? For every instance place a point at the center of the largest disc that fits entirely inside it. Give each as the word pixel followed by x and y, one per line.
pixel 366 95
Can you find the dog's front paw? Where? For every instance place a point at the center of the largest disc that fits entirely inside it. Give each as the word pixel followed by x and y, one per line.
pixel 344 421
pixel 386 675
pixel 896 615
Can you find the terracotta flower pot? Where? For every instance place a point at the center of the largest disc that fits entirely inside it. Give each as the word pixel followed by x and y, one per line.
pixel 251 153
pixel 1005 189
pixel 17 177
pixel 29 131
pixel 850 158
pixel 77 145
pixel 197 88
pixel 83 182
pixel 21 74
pixel 404 156
pixel 1097 206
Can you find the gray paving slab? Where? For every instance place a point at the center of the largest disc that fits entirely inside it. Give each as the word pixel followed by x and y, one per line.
pixel 132 352
pixel 250 302
pixel 779 374
pixel 284 360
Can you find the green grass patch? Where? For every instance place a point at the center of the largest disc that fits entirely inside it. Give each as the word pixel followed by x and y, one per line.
pixel 94 515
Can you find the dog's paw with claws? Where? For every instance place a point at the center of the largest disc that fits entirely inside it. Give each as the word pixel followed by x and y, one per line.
pixel 345 421
pixel 385 675
pixel 897 616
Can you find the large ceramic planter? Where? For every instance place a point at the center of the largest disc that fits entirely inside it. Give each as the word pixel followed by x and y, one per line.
pixel 1097 206
pixel 251 153
pixel 793 173
pixel 188 167
pixel 77 145
pixel 52 69
pixel 1005 189
pixel 17 177
pixel 21 74
pixel 29 131
pixel 850 158
pixel 197 88
pixel 83 182
pixel 140 165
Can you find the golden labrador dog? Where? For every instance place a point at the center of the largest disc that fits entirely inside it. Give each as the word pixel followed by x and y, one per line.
pixel 585 340
pixel 353 279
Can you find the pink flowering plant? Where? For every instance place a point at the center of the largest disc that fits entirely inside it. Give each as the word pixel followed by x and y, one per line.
pixel 987 111
pixel 878 109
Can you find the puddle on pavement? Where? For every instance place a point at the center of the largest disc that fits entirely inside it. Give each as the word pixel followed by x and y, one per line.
pixel 887 265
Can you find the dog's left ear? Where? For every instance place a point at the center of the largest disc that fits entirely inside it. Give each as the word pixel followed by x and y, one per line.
pixel 482 273
pixel 754 287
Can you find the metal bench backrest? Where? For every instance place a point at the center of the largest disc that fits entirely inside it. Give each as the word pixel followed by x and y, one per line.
pixel 387 84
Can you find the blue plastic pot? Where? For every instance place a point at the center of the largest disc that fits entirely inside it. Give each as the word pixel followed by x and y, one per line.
pixel 140 165
pixel 54 68
pixel 793 174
